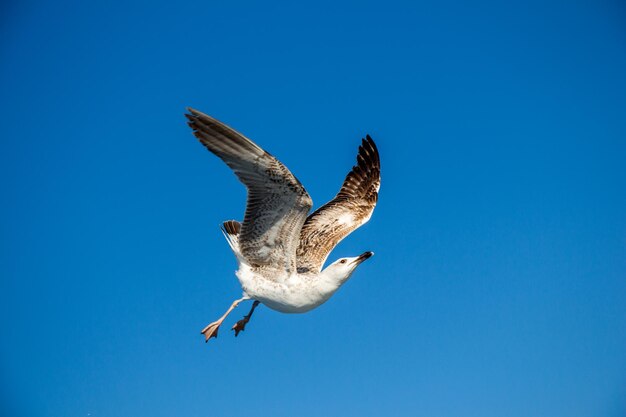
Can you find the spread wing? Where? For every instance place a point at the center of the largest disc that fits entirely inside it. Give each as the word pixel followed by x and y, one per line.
pixel 351 208
pixel 277 203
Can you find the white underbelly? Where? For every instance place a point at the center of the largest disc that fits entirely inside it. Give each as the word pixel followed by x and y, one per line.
pixel 287 295
pixel 283 307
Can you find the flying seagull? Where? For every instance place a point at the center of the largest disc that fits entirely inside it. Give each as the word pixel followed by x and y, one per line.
pixel 280 250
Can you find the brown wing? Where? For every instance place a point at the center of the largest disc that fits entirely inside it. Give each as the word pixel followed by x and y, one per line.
pixel 277 203
pixel 351 208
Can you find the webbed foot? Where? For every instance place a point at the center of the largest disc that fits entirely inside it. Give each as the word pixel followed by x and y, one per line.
pixel 211 330
pixel 241 325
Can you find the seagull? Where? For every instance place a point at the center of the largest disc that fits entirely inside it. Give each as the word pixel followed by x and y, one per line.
pixel 280 248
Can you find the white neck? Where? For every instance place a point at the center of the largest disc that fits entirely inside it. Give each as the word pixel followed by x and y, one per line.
pixel 331 280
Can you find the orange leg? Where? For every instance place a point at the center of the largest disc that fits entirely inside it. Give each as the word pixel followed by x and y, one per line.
pixel 211 330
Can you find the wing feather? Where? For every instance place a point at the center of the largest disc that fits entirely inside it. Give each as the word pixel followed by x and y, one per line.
pixel 351 208
pixel 277 203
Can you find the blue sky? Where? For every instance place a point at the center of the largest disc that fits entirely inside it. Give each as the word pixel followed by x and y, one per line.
pixel 499 282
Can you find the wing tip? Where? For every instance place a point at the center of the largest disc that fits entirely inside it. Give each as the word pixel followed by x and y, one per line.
pixel 193 114
pixel 368 157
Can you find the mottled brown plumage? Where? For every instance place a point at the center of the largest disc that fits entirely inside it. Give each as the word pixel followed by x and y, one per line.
pixel 277 203
pixel 351 208
pixel 275 233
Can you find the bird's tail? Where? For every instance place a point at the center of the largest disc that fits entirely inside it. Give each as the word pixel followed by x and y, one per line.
pixel 231 229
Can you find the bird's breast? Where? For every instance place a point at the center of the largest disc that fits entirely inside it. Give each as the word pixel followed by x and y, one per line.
pixel 287 294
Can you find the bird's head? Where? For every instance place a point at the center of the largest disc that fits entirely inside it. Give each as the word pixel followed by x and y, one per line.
pixel 340 270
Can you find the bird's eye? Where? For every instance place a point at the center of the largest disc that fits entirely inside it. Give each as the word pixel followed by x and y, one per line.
pixel 343 261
